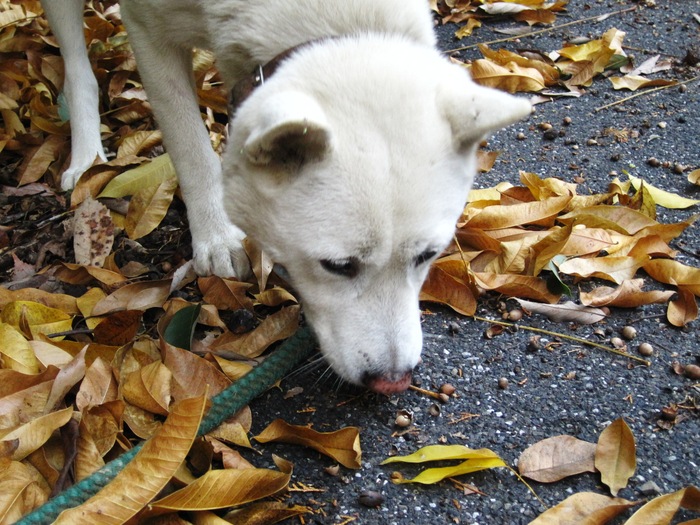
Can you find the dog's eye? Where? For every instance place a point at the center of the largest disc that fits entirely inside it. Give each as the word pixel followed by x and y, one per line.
pixel 425 256
pixel 346 267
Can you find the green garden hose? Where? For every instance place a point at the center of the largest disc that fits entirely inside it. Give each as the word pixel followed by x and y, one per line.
pixel 224 405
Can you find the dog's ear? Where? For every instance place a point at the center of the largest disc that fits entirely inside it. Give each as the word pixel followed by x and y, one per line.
pixel 474 111
pixel 289 130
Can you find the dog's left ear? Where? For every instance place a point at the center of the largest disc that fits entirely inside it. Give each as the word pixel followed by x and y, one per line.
pixel 289 130
pixel 474 111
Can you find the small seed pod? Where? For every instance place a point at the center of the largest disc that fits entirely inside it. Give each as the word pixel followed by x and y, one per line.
pixel 617 342
pixel 646 349
pixel 447 389
pixel 403 419
pixel 692 371
pixel 370 498
pixel 629 332
pixel 502 383
pixel 515 315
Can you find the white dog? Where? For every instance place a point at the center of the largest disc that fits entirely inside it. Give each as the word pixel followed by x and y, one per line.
pixel 349 164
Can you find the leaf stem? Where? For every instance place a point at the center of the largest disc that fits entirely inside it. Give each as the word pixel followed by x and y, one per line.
pixel 564 336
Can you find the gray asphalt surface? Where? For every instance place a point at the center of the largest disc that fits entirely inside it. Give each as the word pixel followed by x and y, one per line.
pixel 542 399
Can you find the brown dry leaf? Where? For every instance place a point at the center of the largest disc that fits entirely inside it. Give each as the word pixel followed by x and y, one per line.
pixel 88 459
pixel 39 159
pixel 502 57
pixel 230 459
pixel 611 268
pixel 662 508
pixel 274 327
pixel 98 387
pixel 509 77
pixel 93 233
pixel 584 508
pixel 564 312
pixel 22 489
pixel 104 422
pixel 135 296
pixel 614 218
pixel 219 489
pixel 69 376
pixel 192 375
pixel 225 294
pixel 118 328
pixel 452 290
pixel 78 274
pixel 684 309
pixel 517 286
pixel 146 474
pixel 635 82
pixel 149 388
pixel 498 217
pixel 673 272
pixel 485 160
pixel 615 455
pixel 33 434
pixel 35 318
pixel 628 295
pixel 148 207
pixel 556 458
pixel 262 513
pixel 139 143
pixel 64 302
pixel 342 445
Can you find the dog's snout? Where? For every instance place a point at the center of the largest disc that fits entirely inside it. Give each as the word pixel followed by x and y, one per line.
pixel 387 383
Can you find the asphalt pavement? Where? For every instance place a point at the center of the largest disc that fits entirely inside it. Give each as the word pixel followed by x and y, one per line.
pixel 565 389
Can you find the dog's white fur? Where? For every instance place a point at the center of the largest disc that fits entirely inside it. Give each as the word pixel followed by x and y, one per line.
pixel 349 166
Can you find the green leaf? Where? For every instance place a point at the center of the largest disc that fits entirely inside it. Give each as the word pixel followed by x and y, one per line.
pixel 554 283
pixel 180 330
pixel 132 181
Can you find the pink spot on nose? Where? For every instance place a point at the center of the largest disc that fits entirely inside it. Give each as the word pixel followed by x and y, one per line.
pixel 390 384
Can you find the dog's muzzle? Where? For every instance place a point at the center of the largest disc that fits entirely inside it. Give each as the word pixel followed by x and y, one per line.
pixel 387 383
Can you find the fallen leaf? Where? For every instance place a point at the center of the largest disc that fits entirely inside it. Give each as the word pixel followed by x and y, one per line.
pixel 509 77
pixel 694 177
pixel 146 474
pixel 151 174
pixel 635 82
pixel 674 272
pixel 263 513
pixel 611 268
pixel 615 455
pixel 565 312
pixel 147 208
pixel 628 295
pixel 556 458
pixel 227 488
pixel 341 445
pixel 662 508
pixel 662 197
pixel 225 294
pixel 16 352
pixel 21 488
pixel 39 319
pixel 93 233
pixel 119 328
pixel 584 508
pixel 33 434
pixel 684 309
pixel 443 287
pixel 135 296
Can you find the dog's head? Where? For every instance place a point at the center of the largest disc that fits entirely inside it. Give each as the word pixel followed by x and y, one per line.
pixel 350 168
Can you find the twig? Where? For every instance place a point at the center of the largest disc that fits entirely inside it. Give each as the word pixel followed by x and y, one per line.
pixel 647 92
pixel 425 392
pixel 564 336
pixel 541 31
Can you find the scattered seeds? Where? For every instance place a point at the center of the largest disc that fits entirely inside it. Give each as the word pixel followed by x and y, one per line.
pixel 545 126
pixel 629 332
pixel 333 470
pixel 646 349
pixel 692 371
pixel 502 383
pixel 520 136
pixel 653 162
pixel 447 389
pixel 662 124
pixel 617 342
pixel 515 315
pixel 370 498
pixel 669 413
pixel 434 410
pixel 403 418
pixel 444 398
pixel 567 121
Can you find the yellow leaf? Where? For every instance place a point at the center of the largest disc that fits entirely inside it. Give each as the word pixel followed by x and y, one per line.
pixel 218 489
pixel 516 286
pixel 583 508
pixel 146 175
pixel 139 142
pixel 16 352
pixel 556 458
pixel 615 455
pixel 550 74
pixel 466 30
pixel 40 319
pixel 615 218
pixel 694 177
pixel 265 512
pixel 149 388
pixel 664 198
pixel 135 296
pixel 510 77
pixel 342 445
pixel 611 268
pixel 673 272
pixel 497 217
pixel 146 474
pixel 447 284
pixel 36 432
pixel 662 508
pixel 22 489
pixel 635 82
pixel 147 208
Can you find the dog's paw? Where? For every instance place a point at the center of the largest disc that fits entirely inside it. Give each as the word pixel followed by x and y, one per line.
pixel 79 165
pixel 221 253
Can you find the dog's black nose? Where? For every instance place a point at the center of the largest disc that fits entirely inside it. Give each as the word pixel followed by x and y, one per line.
pixel 387 383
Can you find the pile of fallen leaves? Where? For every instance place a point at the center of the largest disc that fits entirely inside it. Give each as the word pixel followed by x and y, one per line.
pixel 98 355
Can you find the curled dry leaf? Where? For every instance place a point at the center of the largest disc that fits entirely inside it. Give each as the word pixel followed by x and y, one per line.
pixel 135 296
pixel 684 309
pixel 556 458
pixel 662 197
pixel 663 508
pixel 264 512
pixel 628 295
pixel 35 318
pixel 342 445
pixel 509 77
pixel 475 460
pixel 147 473
pixel 615 455
pixel 635 82
pixel 565 312
pixel 36 432
pixel 694 177
pixel 584 507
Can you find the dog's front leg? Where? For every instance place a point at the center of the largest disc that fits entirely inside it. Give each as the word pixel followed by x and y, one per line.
pixel 80 87
pixel 166 71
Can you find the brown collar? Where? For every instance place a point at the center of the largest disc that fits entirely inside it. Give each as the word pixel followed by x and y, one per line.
pixel 244 87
